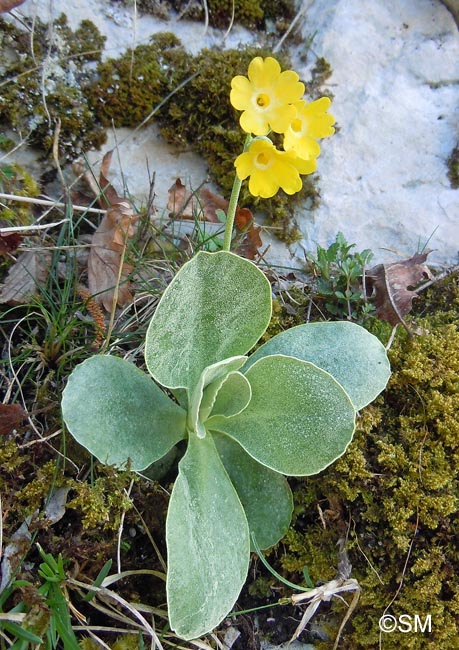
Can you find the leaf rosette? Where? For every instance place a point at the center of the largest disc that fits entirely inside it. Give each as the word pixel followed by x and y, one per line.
pixel 288 409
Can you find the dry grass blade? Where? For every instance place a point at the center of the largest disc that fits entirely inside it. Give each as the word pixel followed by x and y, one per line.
pixel 46 202
pixel 140 622
pixel 325 593
pixel 109 580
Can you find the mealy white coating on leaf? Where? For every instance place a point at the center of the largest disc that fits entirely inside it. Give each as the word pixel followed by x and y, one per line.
pixel 265 495
pixel 217 306
pixel 299 419
pixel 232 397
pixel 207 540
pixel 354 356
pixel 216 373
pixel 119 414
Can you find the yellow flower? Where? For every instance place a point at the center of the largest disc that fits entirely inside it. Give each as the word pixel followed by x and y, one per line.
pixel 269 169
pixel 311 122
pixel 266 96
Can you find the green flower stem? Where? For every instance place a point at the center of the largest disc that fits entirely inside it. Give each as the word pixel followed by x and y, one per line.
pixel 234 198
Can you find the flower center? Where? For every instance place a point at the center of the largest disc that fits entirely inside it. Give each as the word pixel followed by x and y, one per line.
pixel 263 160
pixel 263 100
pixel 296 126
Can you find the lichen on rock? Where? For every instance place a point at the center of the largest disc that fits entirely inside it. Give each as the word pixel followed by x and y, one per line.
pixel 42 87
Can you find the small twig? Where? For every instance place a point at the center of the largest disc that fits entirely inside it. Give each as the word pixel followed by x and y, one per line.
pixel 233 13
pixel 18 146
pixel 49 203
pixel 391 337
pixel 365 556
pixel 120 529
pixel 299 15
pixel 437 278
pixel 57 132
pixel 206 16
pixel 43 226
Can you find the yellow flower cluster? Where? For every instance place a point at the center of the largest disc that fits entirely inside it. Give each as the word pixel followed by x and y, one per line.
pixel 271 100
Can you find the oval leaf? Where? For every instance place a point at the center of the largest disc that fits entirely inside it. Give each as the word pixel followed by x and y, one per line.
pixel 265 495
pixel 217 306
pixel 214 374
pixel 208 545
pixel 354 357
pixel 233 396
pixel 298 421
pixel 118 413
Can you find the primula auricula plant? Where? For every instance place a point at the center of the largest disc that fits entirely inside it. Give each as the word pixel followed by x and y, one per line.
pixel 287 409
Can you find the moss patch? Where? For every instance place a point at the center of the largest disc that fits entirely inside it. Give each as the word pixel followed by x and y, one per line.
pixel 394 496
pixel 14 179
pixel 251 13
pixel 453 168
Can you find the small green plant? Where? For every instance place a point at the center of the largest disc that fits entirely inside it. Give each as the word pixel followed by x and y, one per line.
pixel 339 274
pixel 289 408
pixel 46 620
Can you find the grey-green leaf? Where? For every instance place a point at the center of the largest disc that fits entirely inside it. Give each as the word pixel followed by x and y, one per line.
pixel 298 421
pixel 215 375
pixel 118 413
pixel 356 358
pixel 233 396
pixel 265 495
pixel 217 306
pixel 207 542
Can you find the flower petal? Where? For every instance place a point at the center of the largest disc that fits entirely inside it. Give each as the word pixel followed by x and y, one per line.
pixel 264 185
pixel 254 122
pixel 289 87
pixel 263 72
pixel 281 118
pixel 244 165
pixel 287 176
pixel 241 92
pixel 305 146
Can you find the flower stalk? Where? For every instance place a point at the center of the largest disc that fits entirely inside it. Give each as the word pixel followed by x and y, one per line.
pixel 232 207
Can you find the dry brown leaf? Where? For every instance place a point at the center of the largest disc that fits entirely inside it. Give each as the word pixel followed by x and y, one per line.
pixel 108 245
pixel 109 197
pixel 204 204
pixel 28 272
pixel 393 287
pixel 105 256
pixel 11 416
pixel 192 205
pixel 9 242
pixel 7 5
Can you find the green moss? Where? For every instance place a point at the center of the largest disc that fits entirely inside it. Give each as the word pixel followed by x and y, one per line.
pixel 14 179
pixel 320 73
pixel 127 89
pixel 33 101
pixel 394 495
pixel 251 13
pixel 104 501
pixel 453 168
pixel 32 496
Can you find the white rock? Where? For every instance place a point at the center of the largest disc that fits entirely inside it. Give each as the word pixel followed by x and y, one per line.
pixel 395 82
